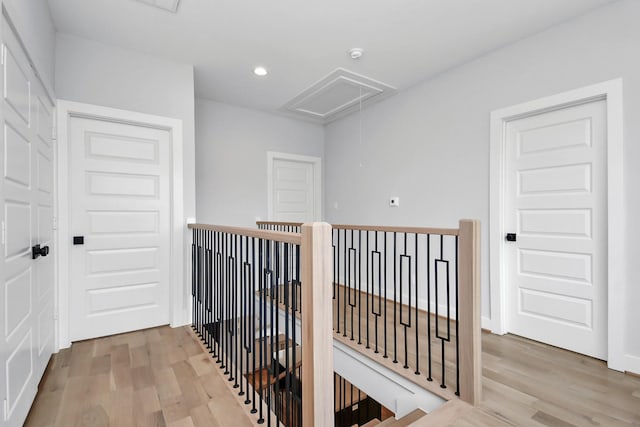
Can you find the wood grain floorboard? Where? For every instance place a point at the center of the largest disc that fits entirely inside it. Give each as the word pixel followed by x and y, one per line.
pixel 155 377
pixel 163 377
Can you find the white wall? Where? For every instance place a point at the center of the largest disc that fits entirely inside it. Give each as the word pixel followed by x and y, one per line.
pixel 33 22
pixel 231 158
pixel 429 145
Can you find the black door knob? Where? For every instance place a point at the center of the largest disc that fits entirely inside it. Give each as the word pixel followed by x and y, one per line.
pixel 510 237
pixel 37 251
pixel 78 240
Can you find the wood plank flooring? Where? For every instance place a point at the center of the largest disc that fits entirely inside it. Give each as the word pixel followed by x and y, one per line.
pixel 153 377
pixel 526 383
pixel 162 376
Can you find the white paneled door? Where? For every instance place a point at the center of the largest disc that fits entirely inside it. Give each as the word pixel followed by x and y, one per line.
pixel 293 190
pixel 26 212
pixel 120 225
pixel 556 269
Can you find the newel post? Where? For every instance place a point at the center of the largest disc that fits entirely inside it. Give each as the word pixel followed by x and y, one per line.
pixel 469 311
pixel 317 322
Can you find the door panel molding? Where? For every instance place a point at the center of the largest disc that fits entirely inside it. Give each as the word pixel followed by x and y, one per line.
pixel 611 91
pixel 179 309
pixel 317 180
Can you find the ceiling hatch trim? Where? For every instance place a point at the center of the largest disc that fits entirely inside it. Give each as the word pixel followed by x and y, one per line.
pixel 337 95
pixel 168 5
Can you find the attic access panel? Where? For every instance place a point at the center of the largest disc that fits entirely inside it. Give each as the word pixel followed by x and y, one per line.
pixel 337 95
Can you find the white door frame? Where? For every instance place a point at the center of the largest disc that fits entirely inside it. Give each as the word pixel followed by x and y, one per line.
pixel 68 109
pixel 611 91
pixel 317 180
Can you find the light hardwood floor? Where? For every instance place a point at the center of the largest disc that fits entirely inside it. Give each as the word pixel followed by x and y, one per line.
pixel 526 383
pixel 162 376
pixel 154 377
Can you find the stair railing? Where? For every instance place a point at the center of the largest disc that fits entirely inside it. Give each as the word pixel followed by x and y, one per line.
pixel 411 297
pixel 259 305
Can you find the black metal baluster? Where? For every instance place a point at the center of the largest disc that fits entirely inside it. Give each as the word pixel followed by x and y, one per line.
pixel 457 323
pixel 338 284
pixel 334 244
pixel 293 336
pixel 379 296
pixel 197 306
pixel 417 323
pixel 193 278
pixel 200 282
pixel 227 306
pixel 359 263
pixel 443 340
pixel 351 278
pixel 385 294
pixel 209 291
pixel 287 402
pixel 219 297
pixel 345 284
pixel 269 361
pixel 254 323
pixel 406 325
pixel 369 287
pixel 275 311
pixel 395 299
pixel 429 377
pixel 234 323
pixel 243 314
pixel 263 329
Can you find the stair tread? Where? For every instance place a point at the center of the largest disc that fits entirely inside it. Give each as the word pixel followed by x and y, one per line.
pixel 372 423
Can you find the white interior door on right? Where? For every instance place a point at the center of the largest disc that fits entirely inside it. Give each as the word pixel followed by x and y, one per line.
pixel 556 204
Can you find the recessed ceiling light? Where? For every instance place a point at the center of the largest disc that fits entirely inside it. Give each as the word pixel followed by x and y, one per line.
pixel 260 71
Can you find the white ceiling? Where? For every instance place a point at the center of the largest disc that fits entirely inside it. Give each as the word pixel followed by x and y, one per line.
pixel 301 41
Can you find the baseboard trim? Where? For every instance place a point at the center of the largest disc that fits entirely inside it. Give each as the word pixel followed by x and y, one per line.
pixel 485 323
pixel 632 365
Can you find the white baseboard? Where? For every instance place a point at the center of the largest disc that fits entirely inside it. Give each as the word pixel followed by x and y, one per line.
pixel 632 364
pixel 486 323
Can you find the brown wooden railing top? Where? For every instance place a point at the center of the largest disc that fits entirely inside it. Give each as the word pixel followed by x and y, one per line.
pixel 396 229
pixel 278 236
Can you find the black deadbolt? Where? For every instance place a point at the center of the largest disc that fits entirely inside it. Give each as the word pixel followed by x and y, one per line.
pixel 78 240
pixel 511 237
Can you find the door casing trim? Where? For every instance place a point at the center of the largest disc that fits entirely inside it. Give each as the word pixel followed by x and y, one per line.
pixel 178 307
pixel 611 91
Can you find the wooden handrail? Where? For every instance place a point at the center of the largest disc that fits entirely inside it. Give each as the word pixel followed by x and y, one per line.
pixel 277 236
pixel 416 230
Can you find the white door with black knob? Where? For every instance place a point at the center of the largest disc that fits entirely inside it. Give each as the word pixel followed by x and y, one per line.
pixel 556 219
pixel 120 215
pixel 26 213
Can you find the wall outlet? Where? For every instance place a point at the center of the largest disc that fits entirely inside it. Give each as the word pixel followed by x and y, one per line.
pixel 394 202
